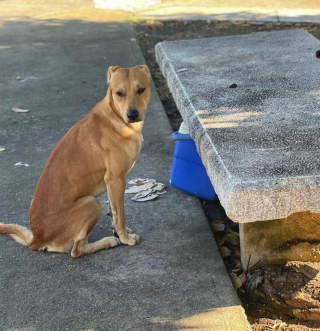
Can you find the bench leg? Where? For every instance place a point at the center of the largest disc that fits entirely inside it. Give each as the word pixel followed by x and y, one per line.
pixel 296 238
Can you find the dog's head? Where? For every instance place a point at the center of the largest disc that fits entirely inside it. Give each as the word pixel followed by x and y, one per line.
pixel 130 91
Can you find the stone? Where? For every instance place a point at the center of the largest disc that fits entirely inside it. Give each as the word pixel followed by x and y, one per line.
pixel 260 141
pixel 296 238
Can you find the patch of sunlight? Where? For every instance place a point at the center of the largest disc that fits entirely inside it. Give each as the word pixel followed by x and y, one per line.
pixel 88 15
pixel 228 125
pixel 230 120
pixel 271 149
pixel 221 318
pixel 54 24
pixel 212 111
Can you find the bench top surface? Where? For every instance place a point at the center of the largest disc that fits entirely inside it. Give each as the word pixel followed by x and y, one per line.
pixel 260 139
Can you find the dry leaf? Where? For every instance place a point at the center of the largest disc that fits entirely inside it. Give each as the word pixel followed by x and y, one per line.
pixel 236 270
pixel 19 110
pixel 243 278
pixel 141 181
pixel 158 187
pixel 218 226
pixel 225 251
pixel 279 325
pixel 145 189
pixel 2 148
pixel 220 241
pixel 140 188
pixel 145 196
pixel 232 238
pixel 160 192
pixel 236 281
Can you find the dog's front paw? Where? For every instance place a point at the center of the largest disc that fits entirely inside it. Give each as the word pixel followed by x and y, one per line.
pixel 114 241
pixel 131 239
pixel 129 230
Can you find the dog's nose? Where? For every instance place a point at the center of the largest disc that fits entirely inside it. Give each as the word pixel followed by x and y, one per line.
pixel 133 114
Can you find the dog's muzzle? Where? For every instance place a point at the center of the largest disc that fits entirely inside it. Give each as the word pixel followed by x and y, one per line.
pixel 133 115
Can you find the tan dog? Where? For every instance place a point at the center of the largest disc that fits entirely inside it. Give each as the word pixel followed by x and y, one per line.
pixel 93 157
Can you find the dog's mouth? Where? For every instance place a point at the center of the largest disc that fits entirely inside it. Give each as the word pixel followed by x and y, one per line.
pixel 134 120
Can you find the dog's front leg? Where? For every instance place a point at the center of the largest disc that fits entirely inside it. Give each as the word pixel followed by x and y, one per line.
pixel 116 188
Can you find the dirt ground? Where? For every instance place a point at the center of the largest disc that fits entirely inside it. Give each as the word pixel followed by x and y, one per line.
pixel 261 317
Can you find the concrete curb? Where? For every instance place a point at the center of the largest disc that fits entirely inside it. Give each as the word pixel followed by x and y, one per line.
pixel 258 14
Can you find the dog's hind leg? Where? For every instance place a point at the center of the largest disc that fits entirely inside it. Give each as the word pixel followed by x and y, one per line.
pixel 85 215
pixel 82 247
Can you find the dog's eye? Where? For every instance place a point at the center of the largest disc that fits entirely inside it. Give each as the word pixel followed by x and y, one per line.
pixel 120 94
pixel 141 90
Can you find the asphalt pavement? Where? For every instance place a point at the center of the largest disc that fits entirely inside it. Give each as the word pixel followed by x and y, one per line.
pixel 53 62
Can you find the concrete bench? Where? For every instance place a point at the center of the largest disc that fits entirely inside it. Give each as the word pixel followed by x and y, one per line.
pixel 259 138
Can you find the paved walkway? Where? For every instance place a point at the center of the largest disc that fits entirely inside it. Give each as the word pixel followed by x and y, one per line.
pixel 233 10
pixel 175 278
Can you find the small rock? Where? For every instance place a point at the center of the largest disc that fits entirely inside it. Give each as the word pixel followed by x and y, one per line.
pixel 234 85
pixel 318 54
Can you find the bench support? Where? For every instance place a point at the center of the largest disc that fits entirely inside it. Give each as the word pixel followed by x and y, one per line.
pixel 296 238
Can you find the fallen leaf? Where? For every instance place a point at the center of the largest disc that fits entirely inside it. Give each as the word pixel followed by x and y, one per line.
pixel 237 263
pixel 140 188
pixel 19 110
pixel 218 227
pixel 236 281
pixel 160 192
pixel 243 278
pixel 145 189
pixel 141 181
pixel 220 241
pixel 232 238
pixel 158 187
pixel 279 325
pixel 225 251
pixel 236 270
pixel 2 149
pixel 145 196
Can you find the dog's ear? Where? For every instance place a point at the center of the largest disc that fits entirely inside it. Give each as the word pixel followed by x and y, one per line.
pixel 145 68
pixel 110 71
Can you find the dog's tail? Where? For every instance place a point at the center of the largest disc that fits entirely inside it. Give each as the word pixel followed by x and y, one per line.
pixel 19 233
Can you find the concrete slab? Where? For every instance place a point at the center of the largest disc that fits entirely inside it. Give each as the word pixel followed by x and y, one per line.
pixel 260 140
pixel 175 278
